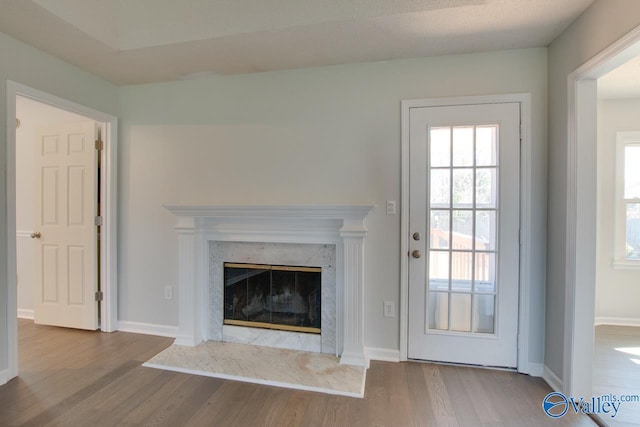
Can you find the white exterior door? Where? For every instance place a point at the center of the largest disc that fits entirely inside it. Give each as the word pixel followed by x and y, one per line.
pixel 65 233
pixel 464 224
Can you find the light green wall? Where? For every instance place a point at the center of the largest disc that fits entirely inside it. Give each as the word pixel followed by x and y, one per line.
pixel 322 135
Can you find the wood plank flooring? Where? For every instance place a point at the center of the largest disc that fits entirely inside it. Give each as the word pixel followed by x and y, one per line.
pixel 77 378
pixel 616 369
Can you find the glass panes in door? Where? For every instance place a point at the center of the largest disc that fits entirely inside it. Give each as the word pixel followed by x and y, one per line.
pixel 463 222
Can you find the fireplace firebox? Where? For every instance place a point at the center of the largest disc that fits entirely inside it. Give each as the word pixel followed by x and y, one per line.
pixel 273 297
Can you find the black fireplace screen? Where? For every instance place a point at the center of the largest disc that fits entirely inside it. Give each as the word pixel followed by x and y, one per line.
pixel 272 296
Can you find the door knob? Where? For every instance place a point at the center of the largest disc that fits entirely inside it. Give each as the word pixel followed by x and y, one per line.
pixel 416 254
pixel 35 235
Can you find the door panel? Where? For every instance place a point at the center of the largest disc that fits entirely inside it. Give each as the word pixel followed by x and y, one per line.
pixel 66 250
pixel 50 285
pixel 464 224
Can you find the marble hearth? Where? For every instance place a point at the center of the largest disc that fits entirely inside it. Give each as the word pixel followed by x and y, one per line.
pixel 327 236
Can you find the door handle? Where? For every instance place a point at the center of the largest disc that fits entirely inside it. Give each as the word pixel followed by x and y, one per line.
pixel 36 235
pixel 416 254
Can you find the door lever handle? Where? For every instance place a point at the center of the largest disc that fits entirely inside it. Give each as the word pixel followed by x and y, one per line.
pixel 36 235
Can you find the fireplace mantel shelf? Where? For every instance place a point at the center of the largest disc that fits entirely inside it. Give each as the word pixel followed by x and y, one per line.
pixel 339 224
pixel 345 212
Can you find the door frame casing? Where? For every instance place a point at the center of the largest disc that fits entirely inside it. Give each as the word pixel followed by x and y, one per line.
pixel 109 209
pixel 524 99
pixel 580 288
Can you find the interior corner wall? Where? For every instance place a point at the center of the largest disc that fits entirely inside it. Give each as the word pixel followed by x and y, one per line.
pixel 26 65
pixel 604 22
pixel 320 135
pixel 617 290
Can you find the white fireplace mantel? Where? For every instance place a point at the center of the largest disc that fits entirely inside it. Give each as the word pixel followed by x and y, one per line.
pixel 342 225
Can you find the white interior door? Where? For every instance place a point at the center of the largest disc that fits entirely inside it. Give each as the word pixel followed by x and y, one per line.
pixel 464 224
pixel 65 232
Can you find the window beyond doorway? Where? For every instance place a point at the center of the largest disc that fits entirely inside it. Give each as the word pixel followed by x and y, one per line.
pixel 627 204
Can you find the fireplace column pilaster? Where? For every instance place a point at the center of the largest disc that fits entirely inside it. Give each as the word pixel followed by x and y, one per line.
pixel 353 233
pixel 190 331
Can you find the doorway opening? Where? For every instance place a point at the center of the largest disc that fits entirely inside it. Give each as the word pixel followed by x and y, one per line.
pixel 42 229
pixel 616 367
pixel 584 212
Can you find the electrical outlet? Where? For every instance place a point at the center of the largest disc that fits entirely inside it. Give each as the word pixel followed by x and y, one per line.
pixel 168 292
pixel 388 309
pixel 391 207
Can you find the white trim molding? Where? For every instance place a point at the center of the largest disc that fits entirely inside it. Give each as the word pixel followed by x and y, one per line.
pixel 526 215
pixel 24 313
pixel 147 329
pixel 342 225
pixel 383 354
pixel 626 265
pixel 4 376
pixel 552 379
pixel 23 234
pixel 617 321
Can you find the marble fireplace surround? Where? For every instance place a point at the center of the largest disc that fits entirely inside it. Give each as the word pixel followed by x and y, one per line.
pixel 339 225
pixel 291 254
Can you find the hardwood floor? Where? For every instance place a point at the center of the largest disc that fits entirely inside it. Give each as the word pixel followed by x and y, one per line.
pixel 77 378
pixel 616 369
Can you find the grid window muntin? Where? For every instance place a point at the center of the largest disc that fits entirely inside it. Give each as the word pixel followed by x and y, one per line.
pixel 475 290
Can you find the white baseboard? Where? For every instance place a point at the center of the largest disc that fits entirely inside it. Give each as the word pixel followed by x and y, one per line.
pixel 383 354
pixel 148 328
pixel 536 369
pixel 24 313
pixel 617 321
pixel 4 376
pixel 552 379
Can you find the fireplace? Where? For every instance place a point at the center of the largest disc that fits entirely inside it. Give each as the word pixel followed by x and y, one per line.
pixel 286 298
pixel 329 236
pixel 268 309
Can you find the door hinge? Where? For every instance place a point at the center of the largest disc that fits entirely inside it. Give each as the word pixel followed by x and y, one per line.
pixel 99 296
pixel 99 144
pixel 98 221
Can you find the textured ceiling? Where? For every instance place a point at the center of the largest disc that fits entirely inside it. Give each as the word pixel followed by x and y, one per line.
pixel 140 41
pixel 126 24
